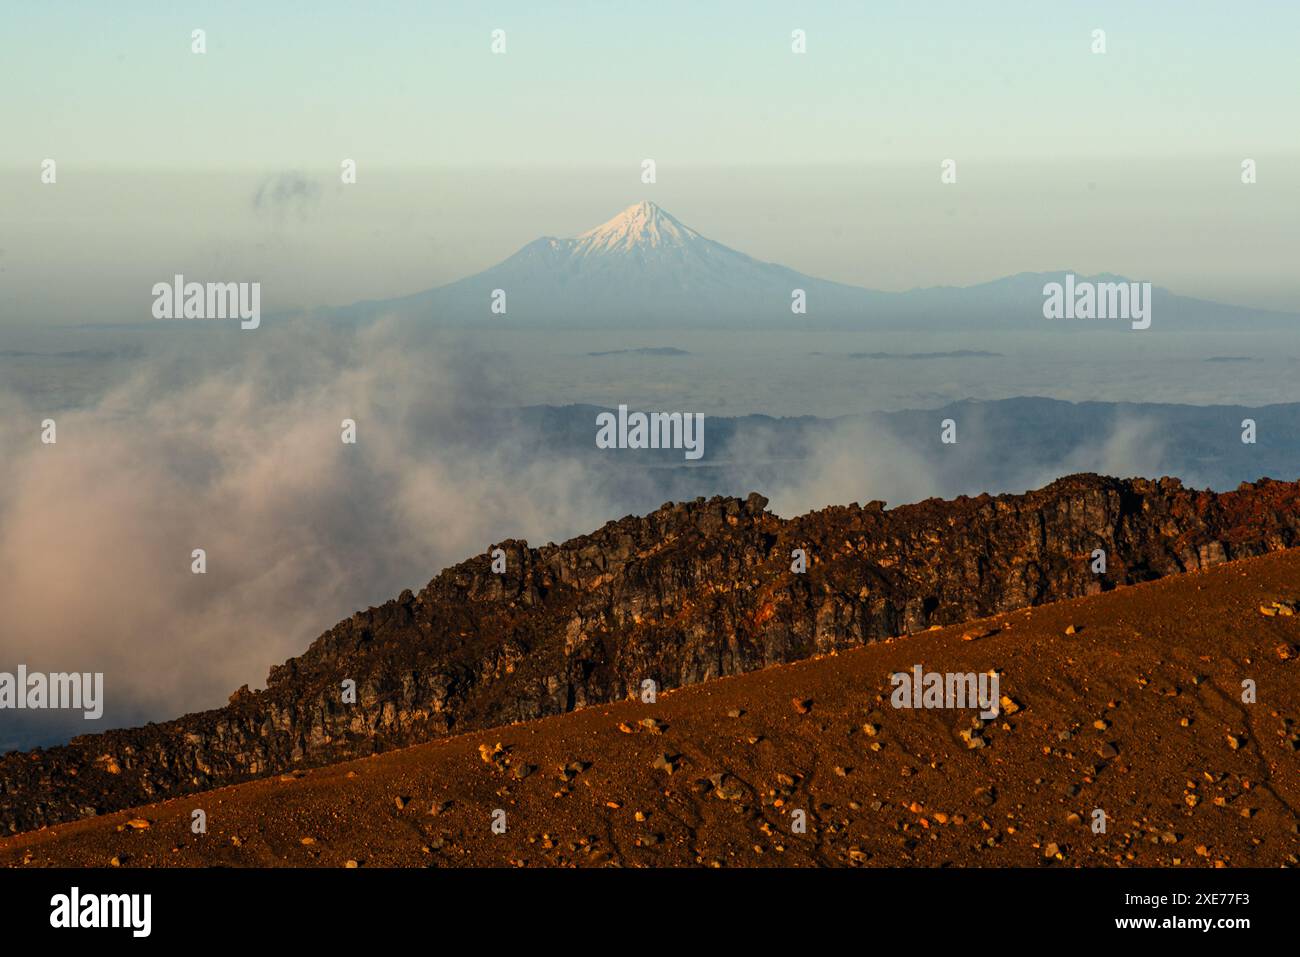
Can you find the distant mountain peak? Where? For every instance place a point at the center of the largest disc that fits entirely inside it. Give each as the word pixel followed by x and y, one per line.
pixel 646 267
pixel 641 225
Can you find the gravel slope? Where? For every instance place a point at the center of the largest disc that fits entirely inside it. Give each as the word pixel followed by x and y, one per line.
pixel 1139 713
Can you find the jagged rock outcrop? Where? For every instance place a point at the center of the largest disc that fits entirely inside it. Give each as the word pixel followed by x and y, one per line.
pixel 691 592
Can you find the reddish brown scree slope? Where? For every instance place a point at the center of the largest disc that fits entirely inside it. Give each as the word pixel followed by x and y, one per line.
pixel 1139 713
pixel 691 592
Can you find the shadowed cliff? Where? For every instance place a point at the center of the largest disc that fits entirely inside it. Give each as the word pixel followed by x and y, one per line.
pixel 691 592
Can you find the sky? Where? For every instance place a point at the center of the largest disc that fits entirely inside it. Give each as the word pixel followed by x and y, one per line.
pixel 829 161
pixel 225 166
pixel 416 83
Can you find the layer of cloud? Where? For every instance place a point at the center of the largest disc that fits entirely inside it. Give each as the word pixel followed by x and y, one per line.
pixel 235 448
pixel 244 459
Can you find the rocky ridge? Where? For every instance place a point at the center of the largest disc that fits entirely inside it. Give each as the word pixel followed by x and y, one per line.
pixel 690 592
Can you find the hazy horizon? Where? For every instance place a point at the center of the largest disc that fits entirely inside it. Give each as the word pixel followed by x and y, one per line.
pixel 320 243
pixel 227 163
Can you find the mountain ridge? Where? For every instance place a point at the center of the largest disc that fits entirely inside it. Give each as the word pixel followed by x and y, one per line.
pixel 690 592
pixel 645 267
pixel 1120 715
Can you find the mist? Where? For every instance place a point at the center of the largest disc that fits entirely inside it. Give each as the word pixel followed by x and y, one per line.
pixel 231 442
pixel 246 461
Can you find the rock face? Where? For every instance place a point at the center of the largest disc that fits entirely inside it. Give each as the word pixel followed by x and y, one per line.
pixel 688 593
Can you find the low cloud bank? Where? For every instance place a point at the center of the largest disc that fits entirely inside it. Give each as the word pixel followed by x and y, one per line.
pixel 238 451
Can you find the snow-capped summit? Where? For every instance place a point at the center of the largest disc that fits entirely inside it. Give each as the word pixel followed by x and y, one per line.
pixel 642 266
pixel 641 224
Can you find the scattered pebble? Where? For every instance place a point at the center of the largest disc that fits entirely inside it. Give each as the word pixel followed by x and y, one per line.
pixel 665 763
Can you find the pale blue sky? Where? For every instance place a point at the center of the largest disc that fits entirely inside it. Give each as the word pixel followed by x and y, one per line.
pixel 414 83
